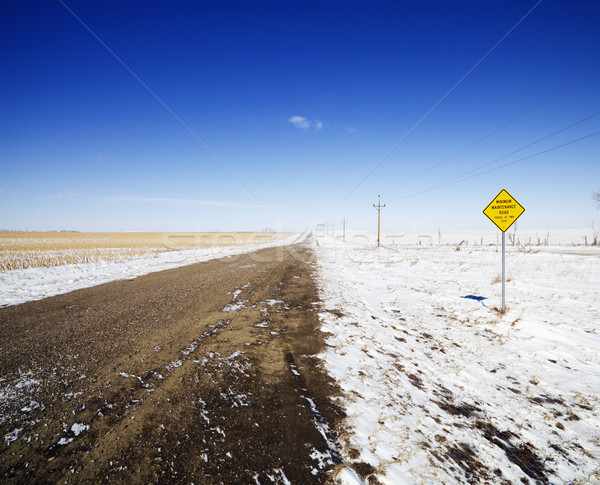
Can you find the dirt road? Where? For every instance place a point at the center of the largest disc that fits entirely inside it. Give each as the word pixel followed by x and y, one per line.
pixel 202 374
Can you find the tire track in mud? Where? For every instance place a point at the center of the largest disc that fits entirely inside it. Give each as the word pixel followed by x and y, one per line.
pixel 203 374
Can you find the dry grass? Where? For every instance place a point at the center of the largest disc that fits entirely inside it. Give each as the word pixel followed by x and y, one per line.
pixel 20 250
pixel 498 279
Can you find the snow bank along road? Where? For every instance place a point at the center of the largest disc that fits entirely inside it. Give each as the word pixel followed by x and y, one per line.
pixel 201 374
pixel 22 285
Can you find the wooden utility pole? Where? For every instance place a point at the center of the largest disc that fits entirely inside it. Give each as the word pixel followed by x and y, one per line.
pixel 378 207
pixel 344 229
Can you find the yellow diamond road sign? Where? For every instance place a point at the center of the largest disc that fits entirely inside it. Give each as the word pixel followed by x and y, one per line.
pixel 504 210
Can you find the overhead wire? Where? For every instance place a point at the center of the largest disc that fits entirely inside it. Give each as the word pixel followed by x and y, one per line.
pixel 157 98
pixel 496 130
pixel 426 115
pixel 470 175
pixel 527 146
pixel 529 156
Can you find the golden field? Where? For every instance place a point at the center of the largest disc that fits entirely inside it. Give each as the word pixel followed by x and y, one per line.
pixel 20 250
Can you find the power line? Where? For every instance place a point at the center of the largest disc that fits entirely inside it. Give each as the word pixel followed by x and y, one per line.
pixel 426 115
pixel 448 182
pixel 462 179
pixel 155 96
pixel 531 156
pixel 504 125
pixel 527 146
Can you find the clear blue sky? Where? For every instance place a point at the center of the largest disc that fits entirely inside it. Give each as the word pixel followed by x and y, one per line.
pixel 299 100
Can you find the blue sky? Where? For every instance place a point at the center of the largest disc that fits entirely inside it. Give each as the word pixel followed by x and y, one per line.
pixel 270 114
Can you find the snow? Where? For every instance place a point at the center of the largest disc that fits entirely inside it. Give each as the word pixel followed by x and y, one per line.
pixel 12 436
pixel 442 389
pixel 234 307
pixel 78 428
pixel 272 302
pixel 534 237
pixel 16 393
pixel 347 476
pixel 22 285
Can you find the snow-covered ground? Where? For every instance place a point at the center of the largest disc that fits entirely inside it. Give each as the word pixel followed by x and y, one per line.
pixel 443 389
pixel 21 285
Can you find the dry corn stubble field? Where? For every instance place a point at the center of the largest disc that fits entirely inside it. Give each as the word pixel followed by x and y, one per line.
pixel 21 250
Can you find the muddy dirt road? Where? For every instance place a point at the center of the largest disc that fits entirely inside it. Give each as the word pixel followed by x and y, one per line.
pixel 202 374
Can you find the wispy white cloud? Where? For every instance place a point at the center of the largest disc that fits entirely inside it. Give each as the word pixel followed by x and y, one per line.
pixel 176 201
pixel 304 124
pixel 349 129
pixel 66 195
pixel 299 122
pixel 168 200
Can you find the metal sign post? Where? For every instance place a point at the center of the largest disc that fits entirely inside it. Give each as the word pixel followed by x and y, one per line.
pixel 503 270
pixel 503 211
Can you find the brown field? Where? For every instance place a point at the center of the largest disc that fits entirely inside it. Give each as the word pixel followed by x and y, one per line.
pixel 20 250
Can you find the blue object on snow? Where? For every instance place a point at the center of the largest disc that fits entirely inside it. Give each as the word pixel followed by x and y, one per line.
pixel 476 298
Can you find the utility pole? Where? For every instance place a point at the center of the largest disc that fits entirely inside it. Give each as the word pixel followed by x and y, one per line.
pixel 332 230
pixel 344 230
pixel 378 207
